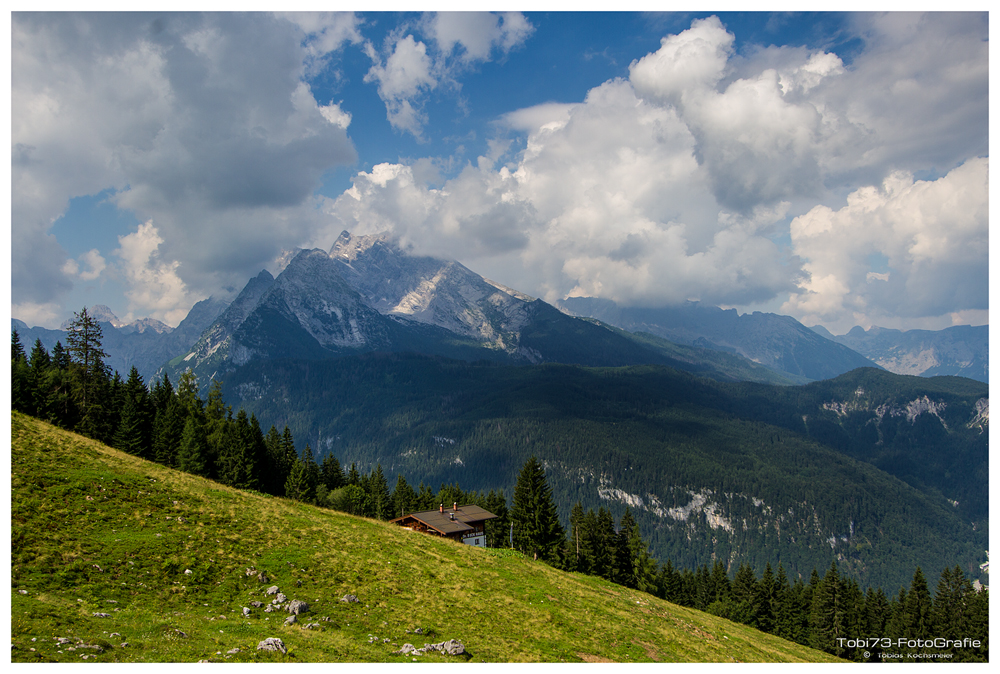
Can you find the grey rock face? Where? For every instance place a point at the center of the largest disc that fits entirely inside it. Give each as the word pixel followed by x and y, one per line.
pixel 427 290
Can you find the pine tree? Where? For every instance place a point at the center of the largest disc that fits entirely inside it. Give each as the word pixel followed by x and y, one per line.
pixel 537 531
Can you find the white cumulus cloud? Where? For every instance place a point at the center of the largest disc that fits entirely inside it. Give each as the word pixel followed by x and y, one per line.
pixel 153 287
pixel 932 235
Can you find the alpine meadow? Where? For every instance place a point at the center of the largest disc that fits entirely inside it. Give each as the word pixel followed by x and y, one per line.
pixel 499 337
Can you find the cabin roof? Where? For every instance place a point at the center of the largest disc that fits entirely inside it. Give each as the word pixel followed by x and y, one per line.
pixel 442 522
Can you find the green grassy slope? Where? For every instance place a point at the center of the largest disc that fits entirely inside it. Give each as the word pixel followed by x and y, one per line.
pixel 96 531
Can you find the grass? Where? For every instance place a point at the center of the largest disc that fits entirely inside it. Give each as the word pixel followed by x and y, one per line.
pixel 171 560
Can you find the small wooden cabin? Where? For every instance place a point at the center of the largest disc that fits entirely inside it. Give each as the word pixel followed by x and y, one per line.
pixel 466 524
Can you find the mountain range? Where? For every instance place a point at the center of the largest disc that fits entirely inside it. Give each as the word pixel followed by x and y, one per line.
pixel 145 344
pixel 961 350
pixel 367 294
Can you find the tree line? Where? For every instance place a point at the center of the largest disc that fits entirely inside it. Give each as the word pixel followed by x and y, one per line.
pixel 73 388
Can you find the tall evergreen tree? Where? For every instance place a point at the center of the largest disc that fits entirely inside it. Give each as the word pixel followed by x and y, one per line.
pixel 303 478
pixel 168 426
pixel 378 486
pixel 60 356
pixel 537 531
pixel 404 498
pixel 576 517
pixel 826 615
pixel 21 396
pixel 16 348
pixel 191 454
pixel 333 475
pixel 765 602
pixel 497 530
pixel 135 420
pixel 84 341
pixel 40 364
pixel 917 609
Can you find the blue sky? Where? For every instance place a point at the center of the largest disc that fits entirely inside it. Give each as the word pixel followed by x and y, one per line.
pixel 829 166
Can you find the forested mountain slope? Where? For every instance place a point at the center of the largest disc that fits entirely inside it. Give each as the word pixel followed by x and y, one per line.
pixel 711 471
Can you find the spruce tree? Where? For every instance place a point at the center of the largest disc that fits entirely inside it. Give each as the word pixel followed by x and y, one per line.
pixel 743 594
pixel 333 476
pixel 537 531
pixel 765 602
pixel 135 423
pixel 84 343
pixel 168 426
pixel 191 455
pixel 917 618
pixel 21 397
pixel 379 491
pixel 576 517
pixel 297 486
pixel 625 552
pixel 826 615
pixel 60 356
pixel 404 498
pixel 497 530
pixel 40 364
pixel 16 348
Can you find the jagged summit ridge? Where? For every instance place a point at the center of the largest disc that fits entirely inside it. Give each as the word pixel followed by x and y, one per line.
pixel 432 291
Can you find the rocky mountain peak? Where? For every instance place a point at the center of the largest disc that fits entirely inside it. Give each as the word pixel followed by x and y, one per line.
pixel 349 247
pixel 99 312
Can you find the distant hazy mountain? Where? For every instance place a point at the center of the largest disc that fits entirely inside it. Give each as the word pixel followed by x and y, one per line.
pixel 962 350
pixel 778 342
pixel 146 343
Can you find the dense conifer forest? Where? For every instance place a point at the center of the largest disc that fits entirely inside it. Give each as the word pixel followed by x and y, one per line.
pixel 174 426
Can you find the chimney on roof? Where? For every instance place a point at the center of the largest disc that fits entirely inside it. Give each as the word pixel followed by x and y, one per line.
pixel 452 517
pixel 441 507
pixel 454 506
